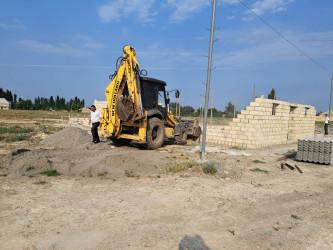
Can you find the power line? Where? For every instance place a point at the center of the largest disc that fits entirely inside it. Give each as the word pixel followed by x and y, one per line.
pixel 147 68
pixel 90 37
pixel 285 38
pixel 149 53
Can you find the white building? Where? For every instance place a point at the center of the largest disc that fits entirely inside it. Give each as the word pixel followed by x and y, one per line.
pixel 4 104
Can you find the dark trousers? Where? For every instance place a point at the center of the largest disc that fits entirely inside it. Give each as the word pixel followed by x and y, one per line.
pixel 326 129
pixel 94 131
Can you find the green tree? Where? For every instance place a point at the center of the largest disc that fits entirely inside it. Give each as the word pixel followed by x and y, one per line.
pixel 272 94
pixel 229 108
pixel 15 101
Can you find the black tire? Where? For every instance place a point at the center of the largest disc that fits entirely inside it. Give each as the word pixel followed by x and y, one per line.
pixel 155 133
pixel 181 137
pixel 120 141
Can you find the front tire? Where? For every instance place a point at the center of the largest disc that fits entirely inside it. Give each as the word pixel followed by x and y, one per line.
pixel 155 133
pixel 181 137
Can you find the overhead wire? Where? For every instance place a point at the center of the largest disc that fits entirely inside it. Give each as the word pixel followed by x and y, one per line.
pixel 147 68
pixel 90 37
pixel 286 39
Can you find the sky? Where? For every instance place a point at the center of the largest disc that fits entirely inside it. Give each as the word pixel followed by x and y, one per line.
pixel 69 48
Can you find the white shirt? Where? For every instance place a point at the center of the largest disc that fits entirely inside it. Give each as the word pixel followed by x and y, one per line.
pixel 327 120
pixel 95 116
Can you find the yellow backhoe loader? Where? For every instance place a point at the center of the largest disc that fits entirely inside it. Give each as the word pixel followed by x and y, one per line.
pixel 138 108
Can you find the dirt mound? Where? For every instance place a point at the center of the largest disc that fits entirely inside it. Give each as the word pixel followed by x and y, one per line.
pixel 70 137
pixel 90 161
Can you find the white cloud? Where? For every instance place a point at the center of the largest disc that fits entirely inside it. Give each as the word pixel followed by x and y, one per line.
pixel 263 46
pixel 15 24
pixel 81 37
pixel 93 45
pixel 186 8
pixel 60 48
pixel 116 9
pixel 273 6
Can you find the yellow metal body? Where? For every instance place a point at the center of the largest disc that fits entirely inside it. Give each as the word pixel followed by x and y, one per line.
pixel 126 75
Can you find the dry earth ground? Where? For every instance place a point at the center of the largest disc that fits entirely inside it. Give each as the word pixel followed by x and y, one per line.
pixel 93 205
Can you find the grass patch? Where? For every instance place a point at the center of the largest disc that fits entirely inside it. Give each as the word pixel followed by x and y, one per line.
pixel 209 168
pixel 296 217
pixel 15 130
pixel 193 164
pixel 176 168
pixel 130 173
pixel 231 231
pixel 259 170
pixel 3 175
pixel 2 138
pixel 258 161
pixel 40 182
pixel 320 123
pixel 20 137
pixel 275 228
pixel 30 168
pixel 51 173
pixel 31 175
pixel 236 148
pixel 102 174
pixel 50 129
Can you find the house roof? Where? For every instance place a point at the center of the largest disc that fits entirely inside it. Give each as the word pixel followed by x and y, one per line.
pixel 3 101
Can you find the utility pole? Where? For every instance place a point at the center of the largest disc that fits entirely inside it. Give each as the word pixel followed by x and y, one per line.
pixel 235 106
pixel 203 148
pixel 177 106
pixel 211 109
pixel 202 104
pixel 180 99
pixel 329 110
pixel 274 94
pixel 254 92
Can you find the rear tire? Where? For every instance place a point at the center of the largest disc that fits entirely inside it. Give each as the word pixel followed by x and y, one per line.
pixel 120 141
pixel 155 133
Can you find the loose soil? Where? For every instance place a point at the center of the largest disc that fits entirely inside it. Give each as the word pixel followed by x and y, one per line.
pixel 125 197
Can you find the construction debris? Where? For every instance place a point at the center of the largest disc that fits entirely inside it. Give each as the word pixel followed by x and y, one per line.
pixel 299 170
pixel 289 166
pixel 282 166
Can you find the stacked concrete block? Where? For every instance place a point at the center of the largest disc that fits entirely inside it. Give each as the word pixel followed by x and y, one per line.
pixel 100 105
pixel 265 122
pixel 315 150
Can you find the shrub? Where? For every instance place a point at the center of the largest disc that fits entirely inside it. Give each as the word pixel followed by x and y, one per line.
pixel 40 182
pixel 209 168
pixel 30 168
pixel 51 173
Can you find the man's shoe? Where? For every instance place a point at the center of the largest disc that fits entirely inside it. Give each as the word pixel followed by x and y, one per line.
pixel 96 142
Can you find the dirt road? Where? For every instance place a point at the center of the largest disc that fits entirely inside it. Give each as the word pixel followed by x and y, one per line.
pixel 128 198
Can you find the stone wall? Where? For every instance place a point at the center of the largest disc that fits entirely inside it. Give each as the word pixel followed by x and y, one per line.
pixel 265 122
pixel 100 105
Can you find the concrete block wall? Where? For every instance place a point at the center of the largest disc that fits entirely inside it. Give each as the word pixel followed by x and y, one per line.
pixel 100 105
pixel 265 122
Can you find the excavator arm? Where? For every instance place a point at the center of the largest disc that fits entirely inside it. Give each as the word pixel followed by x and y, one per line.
pixel 123 95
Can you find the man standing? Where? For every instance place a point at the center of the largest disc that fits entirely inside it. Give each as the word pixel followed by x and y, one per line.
pixel 94 119
pixel 327 122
